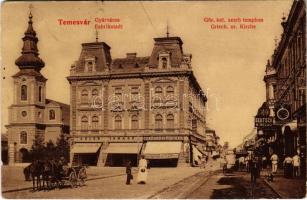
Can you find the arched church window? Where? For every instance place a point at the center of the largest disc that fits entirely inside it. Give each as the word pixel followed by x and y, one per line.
pixel 23 137
pixel 51 114
pixel 40 93
pixel 24 92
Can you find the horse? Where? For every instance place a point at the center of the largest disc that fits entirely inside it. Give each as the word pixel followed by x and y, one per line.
pixel 36 169
pixel 27 173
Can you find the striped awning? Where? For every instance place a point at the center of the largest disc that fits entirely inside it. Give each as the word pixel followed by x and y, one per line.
pixel 85 147
pixel 162 150
pixel 124 148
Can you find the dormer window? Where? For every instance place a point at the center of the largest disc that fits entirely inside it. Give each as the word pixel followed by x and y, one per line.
pixel 164 63
pixel 164 60
pixel 90 64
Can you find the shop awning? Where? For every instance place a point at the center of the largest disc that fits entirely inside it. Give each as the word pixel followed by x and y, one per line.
pixel 292 125
pixel 123 148
pixel 197 155
pixel 162 150
pixel 85 147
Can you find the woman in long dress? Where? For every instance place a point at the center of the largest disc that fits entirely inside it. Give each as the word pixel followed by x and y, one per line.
pixel 143 171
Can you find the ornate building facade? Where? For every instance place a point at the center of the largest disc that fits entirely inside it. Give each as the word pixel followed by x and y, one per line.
pixel 32 115
pixel 126 107
pixel 284 131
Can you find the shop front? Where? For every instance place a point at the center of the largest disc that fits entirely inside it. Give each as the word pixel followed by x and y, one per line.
pixel 162 154
pixel 118 154
pixel 85 153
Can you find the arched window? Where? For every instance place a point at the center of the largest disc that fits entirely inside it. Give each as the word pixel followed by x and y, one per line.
pixel 23 137
pixel 40 93
pixel 24 93
pixel 84 96
pixel 170 90
pixel 134 122
pixel 94 92
pixel 51 114
pixel 170 121
pixel 95 122
pixel 159 121
pixel 158 90
pixel 118 122
pixel 164 63
pixel 84 123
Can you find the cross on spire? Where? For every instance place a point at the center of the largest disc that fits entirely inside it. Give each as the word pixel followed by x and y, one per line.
pixel 30 9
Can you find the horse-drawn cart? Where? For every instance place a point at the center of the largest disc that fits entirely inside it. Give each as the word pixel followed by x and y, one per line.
pixel 74 176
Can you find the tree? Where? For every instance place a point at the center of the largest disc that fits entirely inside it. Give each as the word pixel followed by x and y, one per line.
pixel 50 150
pixel 38 148
pixel 62 146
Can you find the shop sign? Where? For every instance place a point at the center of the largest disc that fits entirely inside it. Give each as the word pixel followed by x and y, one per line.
pixel 264 121
pixel 163 138
pixel 162 156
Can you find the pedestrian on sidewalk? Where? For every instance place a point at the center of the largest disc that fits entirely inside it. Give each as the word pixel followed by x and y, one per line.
pixel 264 162
pixel 143 171
pixel 288 167
pixel 254 169
pixel 274 159
pixel 129 172
pixel 296 165
pixel 247 163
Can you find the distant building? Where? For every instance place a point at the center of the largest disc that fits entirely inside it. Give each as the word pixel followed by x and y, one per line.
pixel 211 141
pixel 126 107
pixel 31 114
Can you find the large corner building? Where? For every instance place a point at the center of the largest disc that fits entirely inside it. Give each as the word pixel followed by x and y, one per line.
pixel 126 107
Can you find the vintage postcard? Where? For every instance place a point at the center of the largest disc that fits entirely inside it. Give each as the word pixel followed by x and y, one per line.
pixel 153 99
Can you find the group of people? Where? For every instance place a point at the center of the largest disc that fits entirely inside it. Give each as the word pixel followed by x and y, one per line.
pixel 254 164
pixel 142 171
pixel 292 166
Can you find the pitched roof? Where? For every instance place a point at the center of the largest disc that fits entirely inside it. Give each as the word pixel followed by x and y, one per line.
pixel 30 72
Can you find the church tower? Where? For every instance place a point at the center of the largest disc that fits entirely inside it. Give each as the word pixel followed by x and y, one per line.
pixel 26 114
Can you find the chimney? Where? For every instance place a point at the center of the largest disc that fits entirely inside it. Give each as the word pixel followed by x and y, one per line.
pixel 131 55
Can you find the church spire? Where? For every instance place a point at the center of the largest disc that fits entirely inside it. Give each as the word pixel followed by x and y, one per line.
pixel 29 58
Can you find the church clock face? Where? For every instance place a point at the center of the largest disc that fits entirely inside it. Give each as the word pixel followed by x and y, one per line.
pixel 24 113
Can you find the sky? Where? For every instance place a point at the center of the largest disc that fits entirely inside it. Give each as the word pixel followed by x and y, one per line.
pixel 228 63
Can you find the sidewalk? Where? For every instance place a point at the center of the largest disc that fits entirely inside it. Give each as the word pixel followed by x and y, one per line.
pixel 13 178
pixel 286 187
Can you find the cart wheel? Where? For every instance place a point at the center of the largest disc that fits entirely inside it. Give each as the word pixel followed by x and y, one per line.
pixel 82 176
pixel 72 179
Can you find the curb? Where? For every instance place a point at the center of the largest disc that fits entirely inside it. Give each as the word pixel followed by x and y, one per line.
pixel 269 185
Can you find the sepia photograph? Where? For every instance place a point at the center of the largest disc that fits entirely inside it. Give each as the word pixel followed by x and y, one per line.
pixel 153 99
